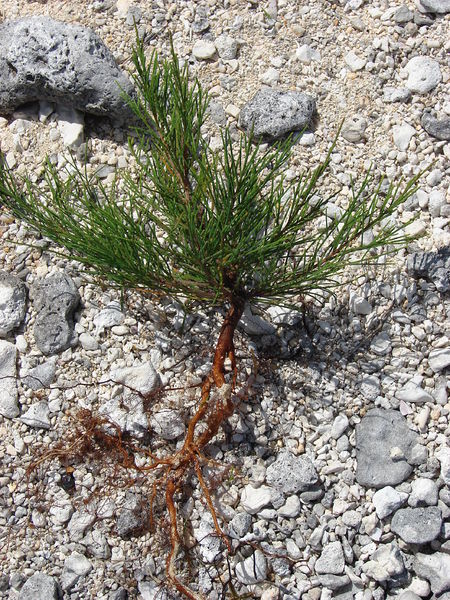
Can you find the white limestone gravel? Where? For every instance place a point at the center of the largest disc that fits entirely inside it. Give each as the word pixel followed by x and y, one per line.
pixel 382 342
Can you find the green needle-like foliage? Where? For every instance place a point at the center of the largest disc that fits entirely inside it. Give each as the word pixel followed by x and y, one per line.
pixel 204 226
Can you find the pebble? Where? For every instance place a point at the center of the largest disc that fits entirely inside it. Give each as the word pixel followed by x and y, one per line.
pixel 354 62
pixel 253 569
pixel 40 377
pixel 239 525
pixel 417 525
pixel 387 500
pixel 274 113
pixel 167 424
pixel 37 416
pixel 353 129
pixel 402 136
pixel 291 508
pixel 331 561
pixel 88 342
pixel 424 492
pixel 412 392
pixel 227 47
pixel 203 50
pixel 440 7
pixel 270 77
pixel 291 474
pixel 443 455
pixel 439 359
pixel 386 564
pixel 381 344
pixel 253 499
pixel 132 520
pixel 55 299
pixel 39 586
pixel 108 317
pixel 424 74
pixel 437 128
pixel 435 568
pixel 76 566
pixel 391 94
pixel 9 406
pixel 383 464
pixel 305 54
pixel 71 126
pixel 13 297
pixel 339 426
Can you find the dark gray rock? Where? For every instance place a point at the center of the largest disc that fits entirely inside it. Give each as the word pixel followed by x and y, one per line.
pixel 239 525
pixel 120 594
pixel 40 377
pixel 384 445
pixel 433 266
pixel 55 299
pixel 436 569
pixel 291 474
pixel 44 59
pixel 440 7
pixel 417 525
pixel 37 416
pixel 437 128
pixel 133 519
pixel 13 299
pixel 39 587
pixel 274 113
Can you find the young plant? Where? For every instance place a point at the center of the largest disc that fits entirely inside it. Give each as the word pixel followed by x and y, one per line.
pixel 217 228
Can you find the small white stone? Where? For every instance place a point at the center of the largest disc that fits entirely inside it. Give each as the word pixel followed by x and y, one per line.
pixel 227 47
pixel 307 139
pixel 167 424
pixel 354 128
pixel 71 126
pixel 413 393
pixel 9 407
pixel 232 110
pixel 340 424
pixel 444 458
pixel 75 567
pixel 424 492
pixel 306 54
pixel 254 499
pixel 417 227
pixel 424 74
pixel 354 62
pixel 21 344
pixel 381 344
pixel 360 306
pixel 253 569
pixel 88 342
pixel 291 508
pixel 387 500
pixel 203 50
pixel 270 77
pixel 402 135
pixel 439 359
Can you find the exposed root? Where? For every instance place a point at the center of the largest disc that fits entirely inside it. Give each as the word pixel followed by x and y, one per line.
pixel 171 472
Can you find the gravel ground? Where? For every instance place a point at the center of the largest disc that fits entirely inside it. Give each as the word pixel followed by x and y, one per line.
pixel 338 464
